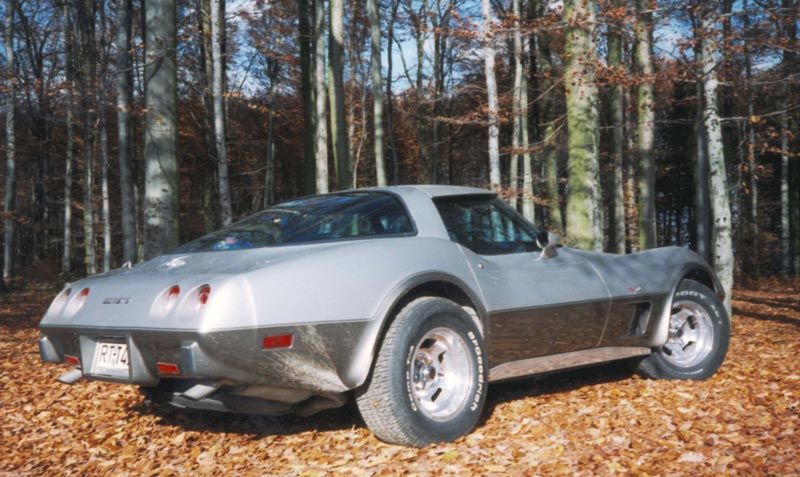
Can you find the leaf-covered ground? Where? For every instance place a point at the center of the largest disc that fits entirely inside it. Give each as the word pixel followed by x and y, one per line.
pixel 596 421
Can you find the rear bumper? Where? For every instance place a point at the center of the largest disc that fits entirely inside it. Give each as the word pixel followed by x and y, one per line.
pixel 317 362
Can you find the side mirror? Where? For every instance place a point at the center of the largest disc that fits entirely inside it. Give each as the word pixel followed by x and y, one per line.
pixel 548 241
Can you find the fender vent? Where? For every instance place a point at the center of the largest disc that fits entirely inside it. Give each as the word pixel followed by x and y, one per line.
pixel 640 319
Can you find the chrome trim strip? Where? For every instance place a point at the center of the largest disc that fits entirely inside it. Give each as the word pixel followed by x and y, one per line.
pixel 545 364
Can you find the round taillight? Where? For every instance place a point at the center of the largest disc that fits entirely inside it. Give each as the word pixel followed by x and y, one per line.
pixel 84 293
pixel 203 293
pixel 174 291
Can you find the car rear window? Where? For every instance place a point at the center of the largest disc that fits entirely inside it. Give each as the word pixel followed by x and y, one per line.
pixel 320 218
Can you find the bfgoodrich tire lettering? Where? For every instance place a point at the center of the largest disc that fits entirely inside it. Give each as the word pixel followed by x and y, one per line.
pixel 392 401
pixel 698 312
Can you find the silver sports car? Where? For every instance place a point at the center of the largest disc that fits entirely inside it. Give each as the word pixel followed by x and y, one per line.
pixel 412 299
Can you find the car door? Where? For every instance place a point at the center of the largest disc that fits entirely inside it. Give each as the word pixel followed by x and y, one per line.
pixel 537 306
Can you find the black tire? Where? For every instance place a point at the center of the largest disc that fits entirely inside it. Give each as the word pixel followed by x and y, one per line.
pixel 661 363
pixel 386 401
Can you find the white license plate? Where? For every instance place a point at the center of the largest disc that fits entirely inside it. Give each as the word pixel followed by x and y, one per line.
pixel 111 359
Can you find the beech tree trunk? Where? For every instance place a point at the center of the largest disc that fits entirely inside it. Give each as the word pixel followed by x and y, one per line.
pixel 320 100
pixel 491 93
pixel 218 93
pixel 341 151
pixel 646 126
pixel 718 186
pixel 377 90
pixel 10 206
pixel 306 40
pixel 66 256
pixel 617 148
pixel 161 206
pixel 124 126
pixel 583 191
pixel 87 80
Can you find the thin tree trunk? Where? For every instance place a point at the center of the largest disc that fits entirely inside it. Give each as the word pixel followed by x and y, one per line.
pixel 87 81
pixel 701 198
pixel 377 90
pixel 269 167
pixel 124 127
pixel 9 209
pixel 306 40
pixel 521 142
pixel 218 93
pixel 389 97
pixel 161 206
pixel 583 189
pixel 718 188
pixel 66 256
pixel 646 126
pixel 751 148
pixel 341 151
pixel 617 100
pixel 320 99
pixel 106 206
pixel 788 62
pixel 491 94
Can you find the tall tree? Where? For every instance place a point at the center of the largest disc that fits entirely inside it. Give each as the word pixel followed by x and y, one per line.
pixel 341 151
pixel 718 187
pixel 617 136
pixel 218 93
pixel 788 63
pixel 87 80
pixel 646 125
pixel 377 90
pixel 9 255
pixel 491 93
pixel 161 133
pixel 583 194
pixel 395 5
pixel 306 39
pixel 69 159
pixel 102 126
pixel 124 76
pixel 520 139
pixel 320 110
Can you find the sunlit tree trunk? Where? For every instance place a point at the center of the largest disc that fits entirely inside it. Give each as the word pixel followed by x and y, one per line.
pixel 789 207
pixel 341 151
pixel 718 187
pixel 491 93
pixel 583 197
pixel 320 99
pixel 102 121
pixel 751 147
pixel 520 141
pixel 646 126
pixel 9 207
pixel 377 90
pixel 161 166
pixel 218 93
pixel 617 148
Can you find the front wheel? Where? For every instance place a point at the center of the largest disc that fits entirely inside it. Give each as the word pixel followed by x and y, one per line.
pixel 699 332
pixel 428 383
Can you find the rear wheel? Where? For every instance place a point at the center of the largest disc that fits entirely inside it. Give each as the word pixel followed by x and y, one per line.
pixel 699 332
pixel 429 379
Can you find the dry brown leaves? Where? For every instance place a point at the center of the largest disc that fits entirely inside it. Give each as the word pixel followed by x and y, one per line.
pixel 597 421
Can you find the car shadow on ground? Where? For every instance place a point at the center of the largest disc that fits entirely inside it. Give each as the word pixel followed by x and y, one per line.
pixel 347 417
pixel 555 383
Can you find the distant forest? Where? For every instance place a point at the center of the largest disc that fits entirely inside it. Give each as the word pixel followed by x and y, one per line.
pixel 133 126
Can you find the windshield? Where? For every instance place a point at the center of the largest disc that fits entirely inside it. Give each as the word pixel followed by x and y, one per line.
pixel 311 219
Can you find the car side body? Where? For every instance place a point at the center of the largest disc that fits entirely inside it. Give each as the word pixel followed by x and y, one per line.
pixel 336 299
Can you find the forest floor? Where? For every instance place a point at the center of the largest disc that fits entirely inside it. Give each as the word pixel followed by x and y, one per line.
pixel 604 420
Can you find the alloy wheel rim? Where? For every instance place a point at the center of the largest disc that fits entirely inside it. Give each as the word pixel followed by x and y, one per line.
pixel 691 334
pixel 441 374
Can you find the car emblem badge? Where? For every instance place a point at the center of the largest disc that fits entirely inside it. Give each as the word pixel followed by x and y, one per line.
pixel 120 300
pixel 174 263
pixel 634 290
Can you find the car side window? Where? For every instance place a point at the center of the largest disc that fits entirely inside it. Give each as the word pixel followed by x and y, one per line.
pixel 486 225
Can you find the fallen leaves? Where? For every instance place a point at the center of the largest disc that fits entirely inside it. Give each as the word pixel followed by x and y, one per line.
pixel 603 420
